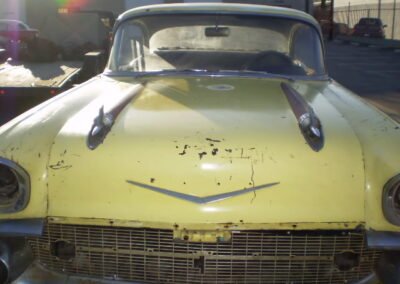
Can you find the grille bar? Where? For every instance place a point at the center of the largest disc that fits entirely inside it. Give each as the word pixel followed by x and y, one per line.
pixel 153 256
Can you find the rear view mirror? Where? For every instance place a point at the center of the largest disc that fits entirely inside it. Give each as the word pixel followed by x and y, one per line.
pixel 217 32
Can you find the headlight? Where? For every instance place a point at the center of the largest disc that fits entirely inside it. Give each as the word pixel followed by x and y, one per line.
pixel 14 187
pixel 391 200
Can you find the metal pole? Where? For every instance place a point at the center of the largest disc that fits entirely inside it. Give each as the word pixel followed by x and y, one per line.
pixel 394 19
pixel 331 22
pixel 348 15
pixel 379 8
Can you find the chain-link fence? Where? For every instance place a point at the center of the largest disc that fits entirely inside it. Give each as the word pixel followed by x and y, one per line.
pixel 389 14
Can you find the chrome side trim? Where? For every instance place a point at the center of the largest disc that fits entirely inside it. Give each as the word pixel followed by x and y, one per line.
pixel 201 200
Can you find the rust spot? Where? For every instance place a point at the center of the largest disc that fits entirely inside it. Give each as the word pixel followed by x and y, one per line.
pixel 213 140
pixel 228 150
pixel 214 151
pixel 59 166
pixel 182 153
pixel 202 154
pixel 152 180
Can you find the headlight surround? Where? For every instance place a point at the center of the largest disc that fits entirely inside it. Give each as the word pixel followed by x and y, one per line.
pixel 391 200
pixel 14 187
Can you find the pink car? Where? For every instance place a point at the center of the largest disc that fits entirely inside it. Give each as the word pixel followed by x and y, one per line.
pixel 17 31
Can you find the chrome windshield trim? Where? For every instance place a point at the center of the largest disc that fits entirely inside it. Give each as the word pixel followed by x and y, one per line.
pixel 220 74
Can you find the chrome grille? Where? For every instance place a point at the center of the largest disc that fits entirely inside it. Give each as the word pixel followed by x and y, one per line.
pixel 153 256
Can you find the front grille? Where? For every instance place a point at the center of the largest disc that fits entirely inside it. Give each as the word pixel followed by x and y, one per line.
pixel 153 256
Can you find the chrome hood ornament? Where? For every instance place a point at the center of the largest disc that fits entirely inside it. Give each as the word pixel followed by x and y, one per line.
pixel 308 121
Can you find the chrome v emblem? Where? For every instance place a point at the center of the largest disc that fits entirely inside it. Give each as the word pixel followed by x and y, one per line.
pixel 201 200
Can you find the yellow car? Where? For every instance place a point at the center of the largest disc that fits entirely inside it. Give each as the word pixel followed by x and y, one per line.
pixel 213 149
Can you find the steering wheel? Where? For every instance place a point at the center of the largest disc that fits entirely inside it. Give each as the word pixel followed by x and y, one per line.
pixel 272 62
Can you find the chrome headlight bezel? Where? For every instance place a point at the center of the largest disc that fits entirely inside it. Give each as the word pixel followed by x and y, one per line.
pixel 391 200
pixel 21 198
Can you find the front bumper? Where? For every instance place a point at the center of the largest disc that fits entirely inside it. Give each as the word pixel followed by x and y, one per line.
pixel 116 253
pixel 38 275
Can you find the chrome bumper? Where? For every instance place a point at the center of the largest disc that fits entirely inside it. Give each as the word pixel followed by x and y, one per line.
pixel 36 274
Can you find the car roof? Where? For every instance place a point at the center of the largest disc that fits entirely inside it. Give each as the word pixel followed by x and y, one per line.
pixel 223 8
pixel 11 21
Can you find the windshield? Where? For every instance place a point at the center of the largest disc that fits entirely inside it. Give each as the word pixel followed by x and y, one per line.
pixel 218 43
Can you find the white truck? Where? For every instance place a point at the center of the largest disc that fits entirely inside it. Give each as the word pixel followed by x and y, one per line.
pixel 302 5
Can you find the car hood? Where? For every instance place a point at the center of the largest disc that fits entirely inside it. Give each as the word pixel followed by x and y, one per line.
pixel 207 150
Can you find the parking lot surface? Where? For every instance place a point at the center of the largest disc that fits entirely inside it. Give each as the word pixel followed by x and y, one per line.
pixel 371 72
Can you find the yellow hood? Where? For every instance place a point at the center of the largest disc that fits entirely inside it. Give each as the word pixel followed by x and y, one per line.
pixel 181 142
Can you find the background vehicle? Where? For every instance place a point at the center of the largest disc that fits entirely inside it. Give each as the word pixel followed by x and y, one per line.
pixel 17 30
pixel 39 69
pixel 302 5
pixel 369 27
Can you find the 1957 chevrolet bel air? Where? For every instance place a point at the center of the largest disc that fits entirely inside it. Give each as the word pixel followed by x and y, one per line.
pixel 213 149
